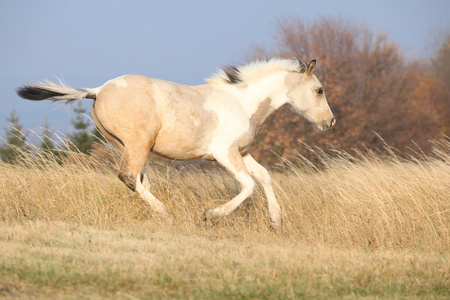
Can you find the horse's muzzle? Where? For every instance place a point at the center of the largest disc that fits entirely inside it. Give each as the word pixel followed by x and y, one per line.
pixel 328 124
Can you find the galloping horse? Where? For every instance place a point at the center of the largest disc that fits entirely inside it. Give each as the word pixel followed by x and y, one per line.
pixel 214 121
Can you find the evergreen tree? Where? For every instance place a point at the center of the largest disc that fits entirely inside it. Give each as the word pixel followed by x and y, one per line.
pixel 47 142
pixel 15 139
pixel 82 138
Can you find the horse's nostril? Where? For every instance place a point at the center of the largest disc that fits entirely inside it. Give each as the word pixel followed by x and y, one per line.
pixel 333 121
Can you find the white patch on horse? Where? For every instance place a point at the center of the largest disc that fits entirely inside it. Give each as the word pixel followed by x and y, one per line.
pixel 120 81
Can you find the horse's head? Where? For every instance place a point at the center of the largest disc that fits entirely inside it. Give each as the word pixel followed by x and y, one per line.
pixel 306 94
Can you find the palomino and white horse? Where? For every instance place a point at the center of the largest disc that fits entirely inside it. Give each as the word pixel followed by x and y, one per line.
pixel 214 121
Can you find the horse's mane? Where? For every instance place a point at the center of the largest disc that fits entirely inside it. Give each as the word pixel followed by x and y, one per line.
pixel 256 70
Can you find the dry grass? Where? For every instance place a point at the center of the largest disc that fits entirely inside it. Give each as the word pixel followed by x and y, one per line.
pixel 369 226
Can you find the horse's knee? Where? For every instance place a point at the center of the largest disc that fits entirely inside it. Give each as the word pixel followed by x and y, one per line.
pixel 248 184
pixel 129 181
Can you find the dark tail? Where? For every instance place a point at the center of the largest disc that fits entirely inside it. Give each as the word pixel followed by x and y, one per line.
pixel 55 92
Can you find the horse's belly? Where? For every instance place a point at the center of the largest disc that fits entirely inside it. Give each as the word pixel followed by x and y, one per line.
pixel 183 144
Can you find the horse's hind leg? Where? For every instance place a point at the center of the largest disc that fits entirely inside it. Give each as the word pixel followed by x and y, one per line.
pixel 144 179
pixel 134 158
pixel 135 152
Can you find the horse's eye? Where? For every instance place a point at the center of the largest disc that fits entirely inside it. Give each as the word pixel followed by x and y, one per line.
pixel 319 91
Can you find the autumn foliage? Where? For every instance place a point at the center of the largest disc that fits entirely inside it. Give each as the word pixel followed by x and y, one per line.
pixel 372 89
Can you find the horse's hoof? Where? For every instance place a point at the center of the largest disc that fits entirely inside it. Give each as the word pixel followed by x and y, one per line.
pixel 207 215
pixel 275 226
pixel 165 218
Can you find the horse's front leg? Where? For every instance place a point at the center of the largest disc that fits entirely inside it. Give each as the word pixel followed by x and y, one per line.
pixel 233 161
pixel 263 177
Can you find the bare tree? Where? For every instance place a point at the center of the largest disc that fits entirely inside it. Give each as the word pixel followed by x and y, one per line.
pixel 369 85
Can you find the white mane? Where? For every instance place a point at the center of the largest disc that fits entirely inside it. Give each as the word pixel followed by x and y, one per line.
pixel 255 71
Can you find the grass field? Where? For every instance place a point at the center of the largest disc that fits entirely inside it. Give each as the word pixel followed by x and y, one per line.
pixel 369 226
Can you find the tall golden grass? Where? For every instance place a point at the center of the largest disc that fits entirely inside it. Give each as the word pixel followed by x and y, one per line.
pixel 369 200
pixel 396 207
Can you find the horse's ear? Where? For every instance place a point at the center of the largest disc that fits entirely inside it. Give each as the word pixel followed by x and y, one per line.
pixel 311 67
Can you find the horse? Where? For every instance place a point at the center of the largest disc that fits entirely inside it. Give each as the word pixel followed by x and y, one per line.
pixel 215 121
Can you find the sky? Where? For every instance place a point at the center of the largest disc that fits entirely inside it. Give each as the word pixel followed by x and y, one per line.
pixel 88 42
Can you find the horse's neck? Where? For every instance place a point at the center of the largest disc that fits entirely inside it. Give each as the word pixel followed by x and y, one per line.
pixel 262 98
pixel 259 99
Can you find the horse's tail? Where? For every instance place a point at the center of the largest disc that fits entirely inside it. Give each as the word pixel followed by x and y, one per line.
pixel 55 92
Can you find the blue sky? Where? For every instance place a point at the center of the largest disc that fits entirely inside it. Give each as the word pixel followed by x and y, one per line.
pixel 87 42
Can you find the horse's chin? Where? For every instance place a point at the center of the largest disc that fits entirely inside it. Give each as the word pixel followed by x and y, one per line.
pixel 321 126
